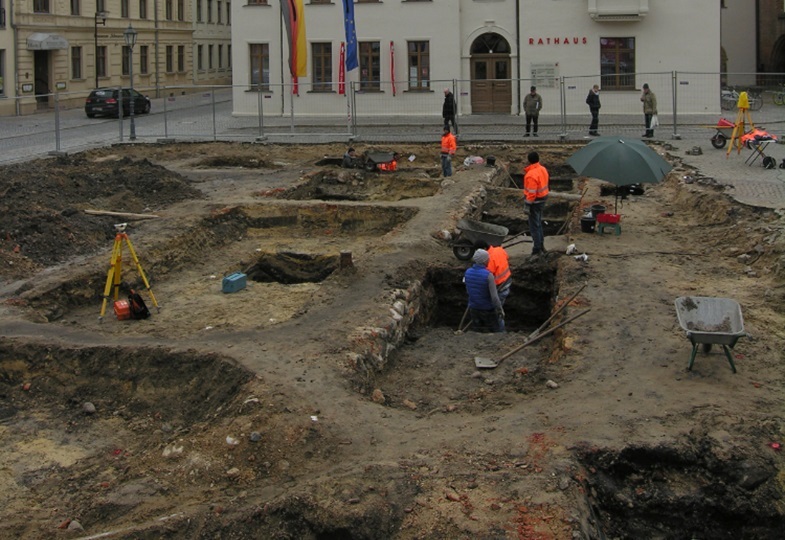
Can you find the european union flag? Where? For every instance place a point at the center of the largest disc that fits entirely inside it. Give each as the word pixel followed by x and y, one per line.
pixel 351 35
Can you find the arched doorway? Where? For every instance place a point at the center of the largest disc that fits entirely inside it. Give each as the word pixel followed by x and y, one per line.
pixel 491 75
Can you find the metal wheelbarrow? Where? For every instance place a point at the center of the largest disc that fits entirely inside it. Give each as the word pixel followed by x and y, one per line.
pixel 380 161
pixel 710 321
pixel 472 233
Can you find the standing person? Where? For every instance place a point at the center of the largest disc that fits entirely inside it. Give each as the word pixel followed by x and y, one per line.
pixel 449 109
pixel 649 109
pixel 448 151
pixel 499 266
pixel 593 101
pixel 532 104
pixel 485 307
pixel 535 191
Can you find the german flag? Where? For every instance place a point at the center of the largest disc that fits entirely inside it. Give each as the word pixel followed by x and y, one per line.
pixel 294 20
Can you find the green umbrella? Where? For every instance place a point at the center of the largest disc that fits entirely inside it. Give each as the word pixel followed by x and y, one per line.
pixel 620 161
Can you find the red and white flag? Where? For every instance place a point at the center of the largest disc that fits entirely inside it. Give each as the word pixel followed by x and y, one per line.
pixel 392 67
pixel 342 71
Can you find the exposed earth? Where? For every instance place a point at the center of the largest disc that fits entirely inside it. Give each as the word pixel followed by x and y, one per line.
pixel 334 397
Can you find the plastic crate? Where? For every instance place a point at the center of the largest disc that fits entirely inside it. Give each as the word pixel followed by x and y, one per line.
pixel 233 283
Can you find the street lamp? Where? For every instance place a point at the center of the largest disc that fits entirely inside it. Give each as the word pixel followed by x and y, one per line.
pixel 100 18
pixel 130 39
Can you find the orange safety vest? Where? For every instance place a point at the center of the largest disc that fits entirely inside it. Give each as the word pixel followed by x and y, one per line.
pixel 448 144
pixel 498 264
pixel 535 182
pixel 391 166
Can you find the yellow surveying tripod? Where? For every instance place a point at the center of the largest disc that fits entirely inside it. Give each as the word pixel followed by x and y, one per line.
pixel 116 268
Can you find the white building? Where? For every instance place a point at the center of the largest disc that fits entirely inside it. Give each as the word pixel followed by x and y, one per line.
pixel 495 49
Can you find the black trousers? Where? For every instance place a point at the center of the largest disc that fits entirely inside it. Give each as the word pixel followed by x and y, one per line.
pixel 595 120
pixel 531 119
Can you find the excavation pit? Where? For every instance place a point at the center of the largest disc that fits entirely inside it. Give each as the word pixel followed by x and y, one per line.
pixel 702 491
pixel 526 308
pixel 434 369
pixel 84 429
pixel 290 268
pixel 310 220
pixel 505 207
pixel 356 185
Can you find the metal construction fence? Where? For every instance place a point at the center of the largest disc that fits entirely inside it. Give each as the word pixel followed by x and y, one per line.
pixel 688 104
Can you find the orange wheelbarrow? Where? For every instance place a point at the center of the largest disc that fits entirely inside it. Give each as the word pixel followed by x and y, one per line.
pixel 723 132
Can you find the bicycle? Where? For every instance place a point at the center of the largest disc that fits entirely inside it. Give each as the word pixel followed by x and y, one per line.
pixel 779 95
pixel 729 97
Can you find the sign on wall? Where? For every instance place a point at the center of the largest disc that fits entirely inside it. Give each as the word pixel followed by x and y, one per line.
pixel 545 75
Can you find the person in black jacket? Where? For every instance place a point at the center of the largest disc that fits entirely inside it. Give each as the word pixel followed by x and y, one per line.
pixel 448 110
pixel 593 101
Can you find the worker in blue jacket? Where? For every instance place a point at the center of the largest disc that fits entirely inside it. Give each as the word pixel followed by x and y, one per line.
pixel 485 307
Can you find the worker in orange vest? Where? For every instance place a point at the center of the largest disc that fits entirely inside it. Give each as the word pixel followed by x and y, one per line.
pixel 448 151
pixel 535 192
pixel 499 266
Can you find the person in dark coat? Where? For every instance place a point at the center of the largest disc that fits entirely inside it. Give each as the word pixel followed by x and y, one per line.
pixel 350 159
pixel 449 109
pixel 485 306
pixel 593 101
pixel 532 105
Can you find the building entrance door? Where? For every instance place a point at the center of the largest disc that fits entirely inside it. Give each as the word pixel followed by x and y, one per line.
pixel 41 71
pixel 491 82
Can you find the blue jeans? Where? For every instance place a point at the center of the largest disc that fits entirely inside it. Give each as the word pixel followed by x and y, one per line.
pixel 446 165
pixel 535 226
pixel 486 321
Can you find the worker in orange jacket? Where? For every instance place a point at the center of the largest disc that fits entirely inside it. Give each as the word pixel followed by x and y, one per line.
pixel 448 151
pixel 499 266
pixel 535 191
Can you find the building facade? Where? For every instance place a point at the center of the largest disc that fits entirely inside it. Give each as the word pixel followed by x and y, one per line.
pixel 212 42
pixel 68 47
pixel 494 48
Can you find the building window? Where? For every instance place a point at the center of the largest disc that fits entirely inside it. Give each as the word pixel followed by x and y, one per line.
pixel 257 2
pixel 219 11
pixel 41 6
pixel 181 58
pixel 617 63
pixel 142 9
pixel 100 61
pixel 2 72
pixel 228 13
pixel 198 10
pixel 76 9
pixel 100 6
pixel 419 65
pixel 322 62
pixel 76 63
pixel 209 11
pixel 199 56
pixel 170 59
pixel 220 56
pixel 229 56
pixel 180 10
pixel 125 9
pixel 143 60
pixel 370 68
pixel 260 66
pixel 321 1
pixel 168 10
pixel 125 61
pixel 209 57
pixel 368 1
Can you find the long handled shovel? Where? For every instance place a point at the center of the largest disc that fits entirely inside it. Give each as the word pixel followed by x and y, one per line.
pixel 487 363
